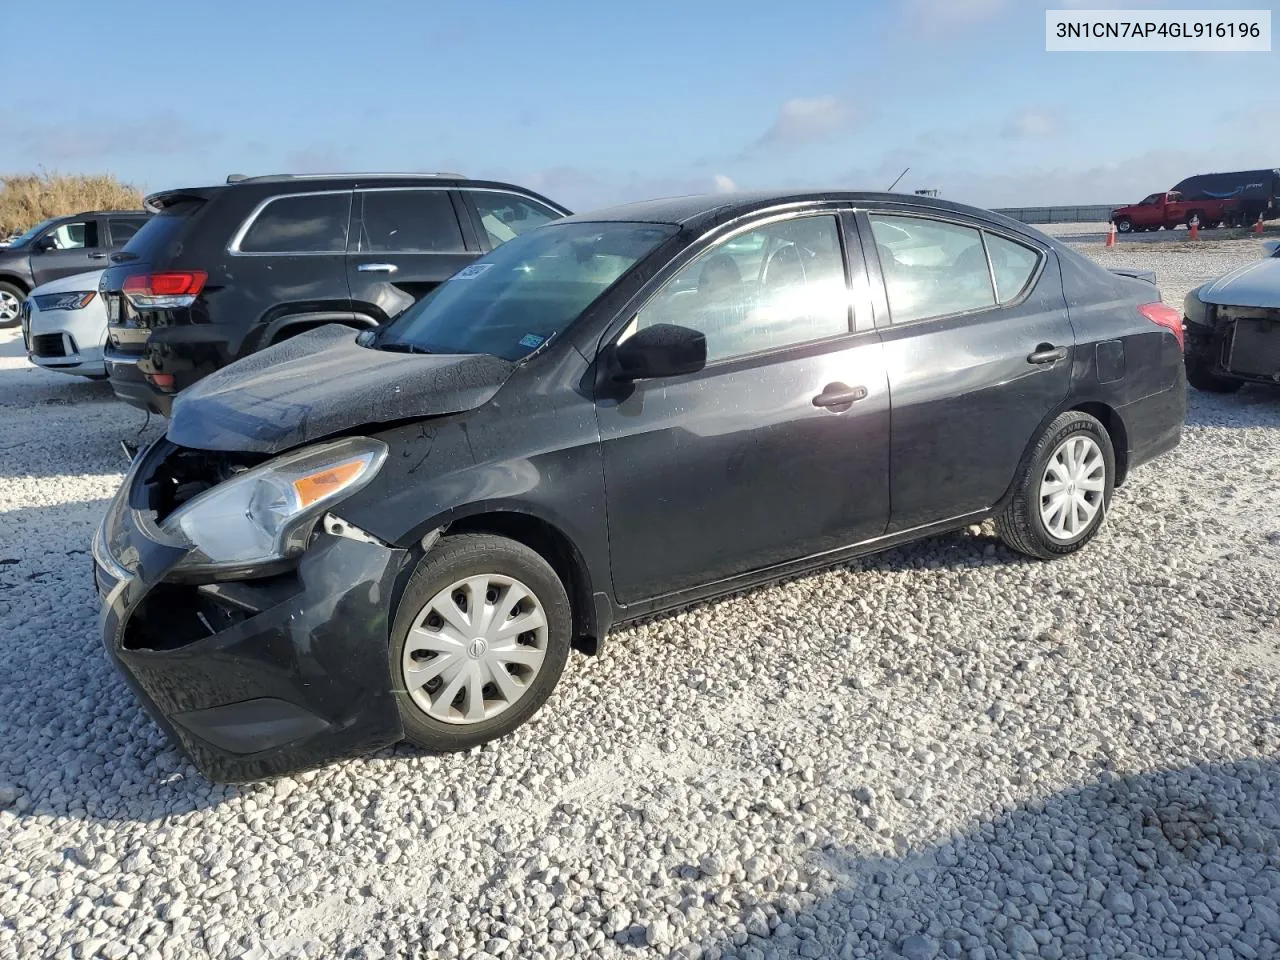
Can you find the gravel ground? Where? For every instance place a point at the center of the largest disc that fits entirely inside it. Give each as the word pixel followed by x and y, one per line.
pixel 942 751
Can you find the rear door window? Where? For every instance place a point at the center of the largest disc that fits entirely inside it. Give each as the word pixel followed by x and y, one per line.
pixel 123 229
pixel 505 216
pixel 303 223
pixel 931 268
pixel 409 221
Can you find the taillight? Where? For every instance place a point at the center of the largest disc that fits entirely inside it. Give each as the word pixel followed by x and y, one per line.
pixel 1164 316
pixel 164 291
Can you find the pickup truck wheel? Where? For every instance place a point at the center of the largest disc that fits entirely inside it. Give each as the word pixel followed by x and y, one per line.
pixel 11 298
pixel 1200 377
pixel 1195 215
pixel 1124 224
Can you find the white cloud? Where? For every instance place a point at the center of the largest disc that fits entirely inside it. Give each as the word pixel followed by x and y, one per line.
pixel 1030 123
pixel 90 137
pixel 802 120
pixel 582 189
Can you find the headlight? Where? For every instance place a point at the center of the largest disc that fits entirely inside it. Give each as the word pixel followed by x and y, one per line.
pixel 266 514
pixel 1196 311
pixel 77 300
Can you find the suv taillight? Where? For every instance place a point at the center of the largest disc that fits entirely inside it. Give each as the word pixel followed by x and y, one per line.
pixel 162 291
pixel 1166 317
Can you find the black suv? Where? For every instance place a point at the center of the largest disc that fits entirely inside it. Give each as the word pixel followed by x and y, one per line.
pixel 61 247
pixel 226 270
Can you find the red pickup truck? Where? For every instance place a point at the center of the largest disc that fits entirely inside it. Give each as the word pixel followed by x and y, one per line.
pixel 1169 209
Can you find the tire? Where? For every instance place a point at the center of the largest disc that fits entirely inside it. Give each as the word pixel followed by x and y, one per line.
pixel 1200 377
pixel 1192 215
pixel 1124 225
pixel 497 565
pixel 1023 524
pixel 11 299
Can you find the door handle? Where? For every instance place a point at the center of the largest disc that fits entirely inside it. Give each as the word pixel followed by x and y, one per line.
pixel 97 256
pixel 377 268
pixel 1047 353
pixel 839 397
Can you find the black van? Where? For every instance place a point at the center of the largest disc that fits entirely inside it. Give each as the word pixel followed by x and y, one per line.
pixel 1257 190
pixel 223 271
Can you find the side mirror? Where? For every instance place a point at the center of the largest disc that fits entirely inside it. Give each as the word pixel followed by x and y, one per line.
pixel 663 350
pixel 46 243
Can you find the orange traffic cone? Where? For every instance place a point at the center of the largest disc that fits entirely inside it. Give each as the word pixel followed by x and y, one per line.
pixel 1111 235
pixel 1257 227
pixel 1195 228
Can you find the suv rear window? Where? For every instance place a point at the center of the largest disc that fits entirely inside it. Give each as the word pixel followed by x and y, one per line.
pixel 305 223
pixel 165 227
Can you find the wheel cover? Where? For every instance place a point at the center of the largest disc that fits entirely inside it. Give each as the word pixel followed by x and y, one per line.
pixel 475 649
pixel 1072 488
pixel 9 306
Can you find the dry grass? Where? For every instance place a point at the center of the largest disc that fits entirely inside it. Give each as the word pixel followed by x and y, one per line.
pixel 26 199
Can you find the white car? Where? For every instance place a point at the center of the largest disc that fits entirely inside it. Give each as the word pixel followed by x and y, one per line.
pixel 64 325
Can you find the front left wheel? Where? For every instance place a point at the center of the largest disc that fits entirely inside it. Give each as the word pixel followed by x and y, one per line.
pixel 11 299
pixel 480 639
pixel 1063 489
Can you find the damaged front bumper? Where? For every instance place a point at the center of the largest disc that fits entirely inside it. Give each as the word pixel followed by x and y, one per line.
pixel 1240 343
pixel 252 678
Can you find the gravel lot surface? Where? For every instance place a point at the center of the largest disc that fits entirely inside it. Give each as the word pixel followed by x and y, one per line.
pixel 943 751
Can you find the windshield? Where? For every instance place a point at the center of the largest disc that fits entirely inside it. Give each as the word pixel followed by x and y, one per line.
pixel 30 234
pixel 518 297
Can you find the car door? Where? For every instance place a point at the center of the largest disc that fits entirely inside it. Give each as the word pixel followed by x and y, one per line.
pixel 68 248
pixel 501 215
pixel 778 448
pixel 978 348
pixel 405 241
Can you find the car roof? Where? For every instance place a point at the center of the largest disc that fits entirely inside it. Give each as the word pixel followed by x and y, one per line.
pixel 106 213
pixel 317 182
pixel 703 211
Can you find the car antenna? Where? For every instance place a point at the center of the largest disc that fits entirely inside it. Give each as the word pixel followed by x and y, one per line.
pixel 895 183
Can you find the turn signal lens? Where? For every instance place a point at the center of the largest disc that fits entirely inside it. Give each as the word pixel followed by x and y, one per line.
pixel 318 485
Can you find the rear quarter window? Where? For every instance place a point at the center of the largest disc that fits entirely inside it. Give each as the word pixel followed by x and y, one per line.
pixel 1013 264
pixel 304 223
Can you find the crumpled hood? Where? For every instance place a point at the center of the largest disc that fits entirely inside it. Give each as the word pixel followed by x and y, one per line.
pixel 321 383
pixel 1255 284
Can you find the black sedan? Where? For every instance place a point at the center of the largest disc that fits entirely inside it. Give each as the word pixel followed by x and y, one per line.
pixel 349 539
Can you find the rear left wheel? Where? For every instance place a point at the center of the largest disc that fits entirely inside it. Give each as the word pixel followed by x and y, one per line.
pixel 480 638
pixel 1063 489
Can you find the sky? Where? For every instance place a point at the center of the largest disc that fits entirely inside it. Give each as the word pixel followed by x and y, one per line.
pixel 597 103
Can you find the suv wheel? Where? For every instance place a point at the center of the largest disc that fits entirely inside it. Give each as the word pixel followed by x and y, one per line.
pixel 1063 489
pixel 11 299
pixel 480 638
